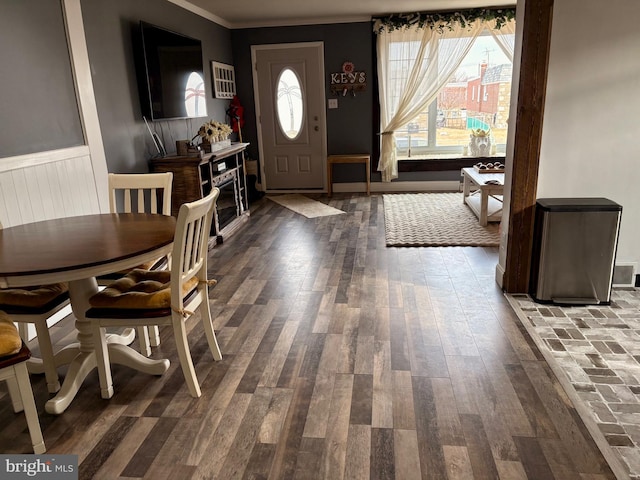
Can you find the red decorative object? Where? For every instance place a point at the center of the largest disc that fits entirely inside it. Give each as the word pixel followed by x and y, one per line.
pixel 236 114
pixel 348 67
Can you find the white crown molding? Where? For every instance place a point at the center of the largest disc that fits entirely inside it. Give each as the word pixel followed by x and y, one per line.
pixel 202 12
pixel 266 23
pixel 293 22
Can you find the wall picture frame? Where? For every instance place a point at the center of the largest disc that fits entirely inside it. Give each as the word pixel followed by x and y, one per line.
pixel 224 80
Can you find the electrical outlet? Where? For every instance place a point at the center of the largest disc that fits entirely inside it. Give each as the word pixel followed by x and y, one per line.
pixel 333 103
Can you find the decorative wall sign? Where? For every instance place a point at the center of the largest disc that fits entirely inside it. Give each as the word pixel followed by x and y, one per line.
pixel 349 81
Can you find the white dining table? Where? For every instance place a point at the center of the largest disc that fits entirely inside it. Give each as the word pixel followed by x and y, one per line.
pixel 76 250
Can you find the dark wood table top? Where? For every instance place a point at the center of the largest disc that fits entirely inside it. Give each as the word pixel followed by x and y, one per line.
pixel 77 247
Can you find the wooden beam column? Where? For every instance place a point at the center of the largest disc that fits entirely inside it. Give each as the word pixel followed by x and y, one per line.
pixel 532 85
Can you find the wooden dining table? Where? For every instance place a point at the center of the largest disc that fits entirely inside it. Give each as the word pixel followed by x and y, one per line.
pixel 76 250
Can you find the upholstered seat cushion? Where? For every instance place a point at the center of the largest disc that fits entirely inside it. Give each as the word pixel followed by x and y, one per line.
pixel 35 299
pixel 140 289
pixel 32 296
pixel 157 264
pixel 10 341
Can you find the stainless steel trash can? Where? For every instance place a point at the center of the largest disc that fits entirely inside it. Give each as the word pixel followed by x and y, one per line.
pixel 574 250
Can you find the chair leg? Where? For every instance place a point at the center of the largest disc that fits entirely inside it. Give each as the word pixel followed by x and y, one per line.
pixel 46 352
pixel 184 355
pixel 14 394
pixel 30 411
pixel 143 339
pixel 207 323
pixel 23 330
pixel 154 336
pixel 102 360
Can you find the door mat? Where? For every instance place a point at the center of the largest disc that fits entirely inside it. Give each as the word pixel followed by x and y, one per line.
pixel 304 205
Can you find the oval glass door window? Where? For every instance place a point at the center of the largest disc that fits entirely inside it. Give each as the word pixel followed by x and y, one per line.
pixel 195 101
pixel 289 103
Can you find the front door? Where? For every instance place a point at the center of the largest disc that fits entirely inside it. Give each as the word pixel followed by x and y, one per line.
pixel 290 97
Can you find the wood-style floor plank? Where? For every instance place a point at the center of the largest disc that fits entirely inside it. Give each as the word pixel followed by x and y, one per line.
pixel 342 359
pixel 357 465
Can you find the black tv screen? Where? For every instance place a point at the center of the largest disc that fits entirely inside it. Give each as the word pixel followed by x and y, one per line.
pixel 170 74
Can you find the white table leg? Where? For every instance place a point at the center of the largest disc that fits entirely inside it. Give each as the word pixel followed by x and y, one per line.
pixel 66 354
pixel 84 359
pixel 78 370
pixel 123 355
pixel 484 206
pixel 81 356
pixel 466 187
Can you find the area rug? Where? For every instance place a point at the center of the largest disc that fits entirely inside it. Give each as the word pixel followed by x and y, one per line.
pixel 305 206
pixel 434 219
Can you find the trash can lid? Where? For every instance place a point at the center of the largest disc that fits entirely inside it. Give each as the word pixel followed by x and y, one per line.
pixel 595 204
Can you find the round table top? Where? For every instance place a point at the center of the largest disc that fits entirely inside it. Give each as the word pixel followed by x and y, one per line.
pixel 89 245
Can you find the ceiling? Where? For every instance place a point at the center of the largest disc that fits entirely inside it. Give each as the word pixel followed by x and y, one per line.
pixel 264 13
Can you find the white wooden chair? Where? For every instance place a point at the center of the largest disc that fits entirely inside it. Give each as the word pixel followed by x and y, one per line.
pixel 163 297
pixel 141 193
pixel 36 305
pixel 13 369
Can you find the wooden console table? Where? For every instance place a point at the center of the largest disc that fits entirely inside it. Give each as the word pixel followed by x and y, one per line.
pixel 352 158
pixel 194 176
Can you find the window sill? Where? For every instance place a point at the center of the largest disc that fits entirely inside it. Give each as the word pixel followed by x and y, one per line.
pixel 441 164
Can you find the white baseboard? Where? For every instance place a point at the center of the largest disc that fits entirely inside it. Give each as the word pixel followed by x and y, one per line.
pixel 500 275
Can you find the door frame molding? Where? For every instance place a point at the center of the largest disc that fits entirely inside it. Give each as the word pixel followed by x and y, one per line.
pixel 323 111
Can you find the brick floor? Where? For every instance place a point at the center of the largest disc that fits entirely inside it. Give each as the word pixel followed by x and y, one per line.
pixel 598 349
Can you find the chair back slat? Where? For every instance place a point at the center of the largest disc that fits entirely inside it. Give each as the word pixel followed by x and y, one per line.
pixel 190 244
pixel 153 200
pixel 146 189
pixel 188 248
pixel 127 200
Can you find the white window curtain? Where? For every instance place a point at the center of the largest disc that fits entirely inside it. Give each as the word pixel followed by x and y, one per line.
pixel 505 36
pixel 413 65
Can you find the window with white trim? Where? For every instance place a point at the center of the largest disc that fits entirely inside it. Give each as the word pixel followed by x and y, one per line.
pixel 476 96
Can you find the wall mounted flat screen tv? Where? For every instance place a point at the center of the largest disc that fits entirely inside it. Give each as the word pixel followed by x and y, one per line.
pixel 170 74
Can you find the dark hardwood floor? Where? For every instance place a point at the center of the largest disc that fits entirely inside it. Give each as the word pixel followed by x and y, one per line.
pixel 342 359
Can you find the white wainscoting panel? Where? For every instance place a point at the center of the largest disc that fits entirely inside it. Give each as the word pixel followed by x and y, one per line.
pixel 47 185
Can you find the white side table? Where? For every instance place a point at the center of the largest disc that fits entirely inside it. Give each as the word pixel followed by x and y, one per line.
pixel 484 199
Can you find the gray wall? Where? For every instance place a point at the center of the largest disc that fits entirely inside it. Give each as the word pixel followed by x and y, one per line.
pixel 38 104
pixel 350 127
pixel 36 78
pixel 109 27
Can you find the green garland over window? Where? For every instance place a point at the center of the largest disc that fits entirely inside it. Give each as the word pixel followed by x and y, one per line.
pixel 443 20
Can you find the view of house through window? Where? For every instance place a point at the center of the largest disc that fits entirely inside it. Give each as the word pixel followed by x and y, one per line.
pixel 476 97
